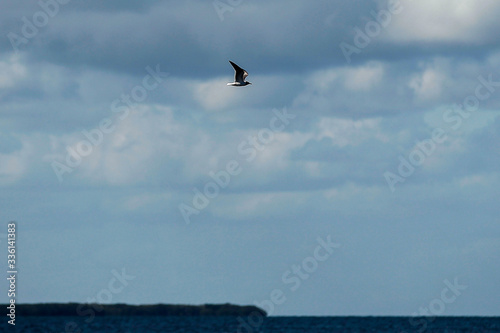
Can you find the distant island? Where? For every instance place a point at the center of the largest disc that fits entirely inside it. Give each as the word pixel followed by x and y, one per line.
pixel 84 309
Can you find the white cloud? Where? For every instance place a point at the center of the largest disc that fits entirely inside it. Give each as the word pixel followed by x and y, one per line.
pixel 365 77
pixel 18 164
pixel 214 94
pixel 12 167
pixel 132 151
pixel 428 84
pixel 475 180
pixel 275 154
pixel 322 80
pixel 11 71
pixel 359 78
pixel 445 21
pixel 345 132
pixel 257 205
pixel 322 175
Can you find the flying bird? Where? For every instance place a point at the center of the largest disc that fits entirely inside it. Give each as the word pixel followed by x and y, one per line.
pixel 239 76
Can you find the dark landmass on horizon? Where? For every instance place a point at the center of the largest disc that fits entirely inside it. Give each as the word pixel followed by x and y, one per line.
pixel 84 309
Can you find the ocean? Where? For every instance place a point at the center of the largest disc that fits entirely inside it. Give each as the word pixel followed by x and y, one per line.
pixel 143 324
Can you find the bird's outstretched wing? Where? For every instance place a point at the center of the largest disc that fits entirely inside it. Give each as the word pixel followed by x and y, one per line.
pixel 239 73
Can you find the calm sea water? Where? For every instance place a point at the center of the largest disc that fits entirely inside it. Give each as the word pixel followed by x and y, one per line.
pixel 247 325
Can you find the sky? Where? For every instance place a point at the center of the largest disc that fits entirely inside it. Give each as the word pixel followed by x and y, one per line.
pixel 357 175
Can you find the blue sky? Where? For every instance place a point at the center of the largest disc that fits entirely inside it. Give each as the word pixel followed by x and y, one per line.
pixel 373 123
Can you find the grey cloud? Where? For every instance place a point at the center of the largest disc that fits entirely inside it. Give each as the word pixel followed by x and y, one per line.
pixel 321 177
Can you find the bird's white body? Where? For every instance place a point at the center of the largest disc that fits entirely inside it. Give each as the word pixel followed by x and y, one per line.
pixel 239 76
pixel 238 84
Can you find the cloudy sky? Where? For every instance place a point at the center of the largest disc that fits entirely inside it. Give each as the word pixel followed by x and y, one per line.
pixel 372 125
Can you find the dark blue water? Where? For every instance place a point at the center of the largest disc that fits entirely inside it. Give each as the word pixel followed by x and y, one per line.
pixel 253 324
